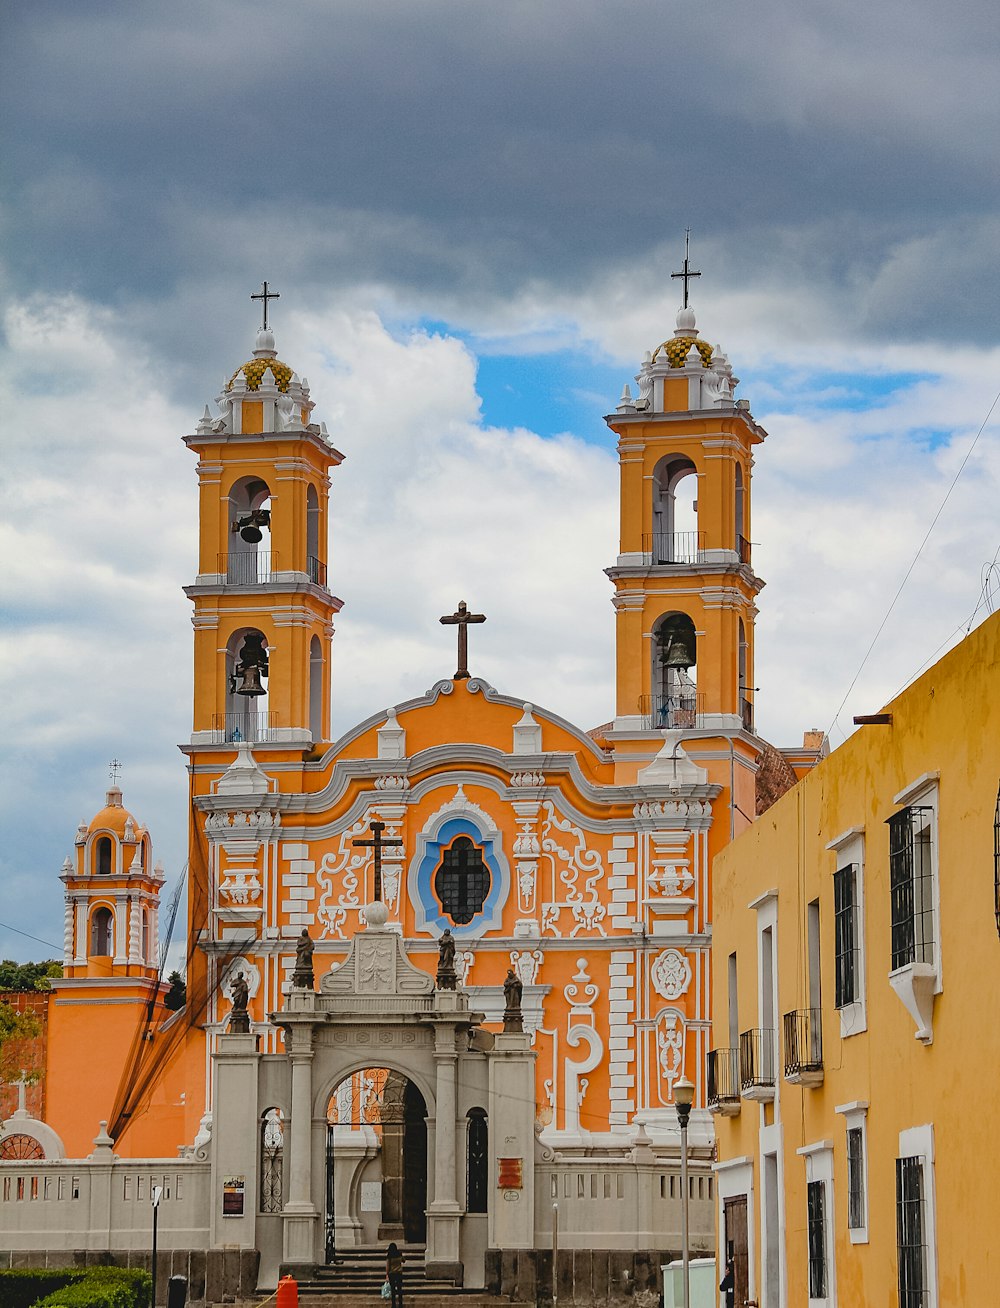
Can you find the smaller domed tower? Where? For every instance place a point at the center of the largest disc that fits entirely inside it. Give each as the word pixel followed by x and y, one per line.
pixel 112 897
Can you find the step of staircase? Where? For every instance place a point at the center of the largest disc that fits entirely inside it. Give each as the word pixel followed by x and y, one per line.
pixel 356 1280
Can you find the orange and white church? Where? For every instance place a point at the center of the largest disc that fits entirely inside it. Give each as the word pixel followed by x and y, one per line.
pixel 298 1117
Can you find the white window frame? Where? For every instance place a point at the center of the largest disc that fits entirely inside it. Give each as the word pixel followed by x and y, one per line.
pixel 855 1115
pixel 916 984
pixel 819 1167
pixel 918 1142
pixel 849 848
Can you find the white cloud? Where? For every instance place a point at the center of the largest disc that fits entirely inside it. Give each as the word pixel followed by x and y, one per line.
pixel 431 506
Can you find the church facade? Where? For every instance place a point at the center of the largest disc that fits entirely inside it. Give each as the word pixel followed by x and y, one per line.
pixel 577 862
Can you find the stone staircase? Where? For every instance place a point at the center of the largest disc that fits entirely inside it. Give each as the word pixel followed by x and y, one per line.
pixel 356 1282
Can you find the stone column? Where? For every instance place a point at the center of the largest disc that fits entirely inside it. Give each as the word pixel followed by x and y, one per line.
pixel 80 929
pixel 512 1138
pixel 235 1139
pixel 134 930
pixel 299 1212
pixel 445 1212
pixel 121 929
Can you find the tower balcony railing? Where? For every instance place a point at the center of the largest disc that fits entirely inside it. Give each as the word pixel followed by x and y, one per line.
pixel 724 1081
pixel 256 726
pixel 679 712
pixel 757 1064
pixel 665 547
pixel 804 1047
pixel 247 567
pixel 743 549
pixel 317 571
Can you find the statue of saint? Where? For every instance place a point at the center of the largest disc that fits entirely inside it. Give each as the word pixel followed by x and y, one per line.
pixel 302 977
pixel 239 1018
pixel 512 991
pixel 447 977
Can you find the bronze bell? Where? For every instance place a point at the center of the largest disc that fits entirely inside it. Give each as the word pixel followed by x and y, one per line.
pixel 250 682
pixel 676 652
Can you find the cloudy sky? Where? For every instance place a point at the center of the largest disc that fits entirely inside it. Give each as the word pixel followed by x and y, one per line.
pixel 471 212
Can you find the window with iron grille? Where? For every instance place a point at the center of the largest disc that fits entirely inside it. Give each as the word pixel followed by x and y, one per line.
pixel 857 1217
pixel 477 1161
pixel 911 1250
pixel 911 886
pixel 845 919
pixel 272 1139
pixel 816 1206
pixel 462 880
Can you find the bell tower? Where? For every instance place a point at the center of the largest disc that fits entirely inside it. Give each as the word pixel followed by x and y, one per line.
pixel 262 608
pixel 685 588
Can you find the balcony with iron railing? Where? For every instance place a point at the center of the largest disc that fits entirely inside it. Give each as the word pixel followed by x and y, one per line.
pixel 317 571
pixel 804 1047
pixel 746 713
pixel 724 1082
pixel 757 1064
pixel 247 567
pixel 256 726
pixel 674 547
pixel 678 712
pixel 743 549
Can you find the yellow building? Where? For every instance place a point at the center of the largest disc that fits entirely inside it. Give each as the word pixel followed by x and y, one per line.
pixel 855 941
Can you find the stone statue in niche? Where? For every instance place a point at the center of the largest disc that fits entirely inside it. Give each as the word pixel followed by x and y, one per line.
pixel 512 991
pixel 239 1018
pixel 302 977
pixel 447 977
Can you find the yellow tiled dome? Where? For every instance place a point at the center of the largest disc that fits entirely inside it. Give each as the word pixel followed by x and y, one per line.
pixel 678 348
pixel 254 370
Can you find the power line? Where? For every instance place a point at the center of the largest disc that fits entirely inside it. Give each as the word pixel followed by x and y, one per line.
pixel 17 930
pixel 913 564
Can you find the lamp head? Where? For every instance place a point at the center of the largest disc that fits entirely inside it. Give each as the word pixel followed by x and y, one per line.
pixel 683 1099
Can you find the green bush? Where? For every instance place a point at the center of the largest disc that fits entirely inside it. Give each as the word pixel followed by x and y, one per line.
pixel 103 1287
pixel 24 1288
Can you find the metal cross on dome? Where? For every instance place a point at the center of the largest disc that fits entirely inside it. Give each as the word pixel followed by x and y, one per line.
pixel 266 295
pixel 687 274
pixel 461 618
pixel 378 844
pixel 114 771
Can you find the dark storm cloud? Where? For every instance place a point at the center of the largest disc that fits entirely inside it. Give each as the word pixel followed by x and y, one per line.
pixel 468 150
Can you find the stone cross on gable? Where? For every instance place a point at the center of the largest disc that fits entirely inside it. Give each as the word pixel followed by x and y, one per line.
pixel 377 843
pixel 461 618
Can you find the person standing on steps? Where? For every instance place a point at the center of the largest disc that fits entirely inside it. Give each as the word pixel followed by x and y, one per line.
pixel 394 1274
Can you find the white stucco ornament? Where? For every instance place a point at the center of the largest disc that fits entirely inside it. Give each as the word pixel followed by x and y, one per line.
pixel 376 915
pixel 670 974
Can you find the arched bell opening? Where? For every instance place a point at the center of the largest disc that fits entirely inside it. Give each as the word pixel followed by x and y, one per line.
pixel 676 538
pixel 316 669
pixel 103 856
pixel 315 565
pixel 674 698
pixel 145 939
pixel 247 716
pixel 741 544
pixel 376 1161
pixel 250 559
pixel 746 703
pixel 102 932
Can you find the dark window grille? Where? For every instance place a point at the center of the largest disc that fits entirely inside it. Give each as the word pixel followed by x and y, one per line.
pixel 816 1205
pixel 910 1248
pixel 477 1165
pixel 911 886
pixel 996 861
pixel 845 921
pixel 462 880
pixel 856 1178
pixel 272 1141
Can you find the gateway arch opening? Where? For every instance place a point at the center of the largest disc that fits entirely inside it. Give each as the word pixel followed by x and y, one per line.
pixel 376 1162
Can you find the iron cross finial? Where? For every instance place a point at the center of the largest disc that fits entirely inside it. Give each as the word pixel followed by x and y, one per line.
pixel 266 295
pixel 114 771
pixel 687 274
pixel 461 618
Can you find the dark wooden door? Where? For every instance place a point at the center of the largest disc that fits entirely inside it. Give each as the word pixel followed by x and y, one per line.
pixel 414 1165
pixel 735 1211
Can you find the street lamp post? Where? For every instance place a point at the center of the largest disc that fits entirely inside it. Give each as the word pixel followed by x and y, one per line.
pixel 155 1194
pixel 683 1099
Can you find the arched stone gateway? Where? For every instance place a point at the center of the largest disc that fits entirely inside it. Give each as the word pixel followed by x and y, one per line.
pixel 455 1096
